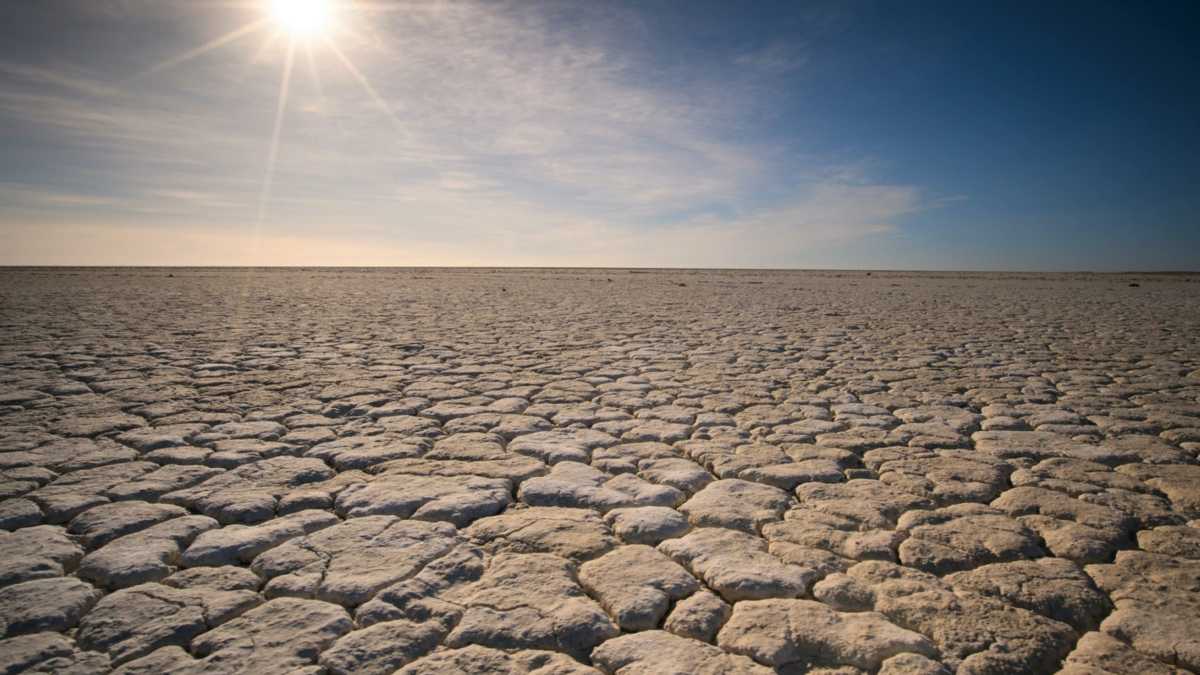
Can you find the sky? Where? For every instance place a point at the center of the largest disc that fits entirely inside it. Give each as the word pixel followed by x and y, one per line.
pixel 876 135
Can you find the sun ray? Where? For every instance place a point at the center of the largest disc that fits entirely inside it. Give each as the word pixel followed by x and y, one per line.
pixel 314 73
pixel 382 7
pixel 266 45
pixel 204 48
pixel 414 149
pixel 264 194
pixel 366 84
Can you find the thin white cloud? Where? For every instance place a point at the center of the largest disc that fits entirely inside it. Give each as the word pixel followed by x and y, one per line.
pixel 35 197
pixel 509 139
pixel 60 78
pixel 774 59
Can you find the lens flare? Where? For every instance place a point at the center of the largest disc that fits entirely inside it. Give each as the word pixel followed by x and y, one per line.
pixel 302 18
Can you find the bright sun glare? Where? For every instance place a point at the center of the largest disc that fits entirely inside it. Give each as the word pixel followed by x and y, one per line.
pixel 309 25
pixel 301 18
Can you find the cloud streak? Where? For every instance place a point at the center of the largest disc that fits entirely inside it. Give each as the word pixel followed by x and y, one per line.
pixel 511 139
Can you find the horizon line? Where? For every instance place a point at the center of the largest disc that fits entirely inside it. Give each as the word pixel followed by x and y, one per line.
pixel 7 267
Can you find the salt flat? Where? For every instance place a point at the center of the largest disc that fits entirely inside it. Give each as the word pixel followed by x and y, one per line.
pixel 581 471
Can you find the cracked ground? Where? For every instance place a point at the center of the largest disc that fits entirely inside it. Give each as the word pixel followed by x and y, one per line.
pixel 583 471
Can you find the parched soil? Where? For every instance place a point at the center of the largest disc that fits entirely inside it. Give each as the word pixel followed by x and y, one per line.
pixel 598 471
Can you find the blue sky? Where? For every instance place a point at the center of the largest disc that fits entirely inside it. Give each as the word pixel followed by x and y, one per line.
pixel 926 135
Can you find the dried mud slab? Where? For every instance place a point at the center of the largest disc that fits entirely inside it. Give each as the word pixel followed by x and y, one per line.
pixel 536 472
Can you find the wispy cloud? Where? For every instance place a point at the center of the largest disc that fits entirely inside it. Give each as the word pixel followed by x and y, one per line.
pixel 775 59
pixel 507 139
pixel 35 197
pixel 63 79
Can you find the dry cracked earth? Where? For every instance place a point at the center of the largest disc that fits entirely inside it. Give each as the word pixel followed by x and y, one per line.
pixel 598 471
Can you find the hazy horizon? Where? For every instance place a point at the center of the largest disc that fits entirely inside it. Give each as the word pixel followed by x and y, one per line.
pixel 827 136
pixel 636 269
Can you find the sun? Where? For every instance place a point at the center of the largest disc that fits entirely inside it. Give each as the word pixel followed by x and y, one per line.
pixel 309 26
pixel 302 18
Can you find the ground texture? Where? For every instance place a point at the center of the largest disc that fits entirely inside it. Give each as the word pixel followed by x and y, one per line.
pixel 603 471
